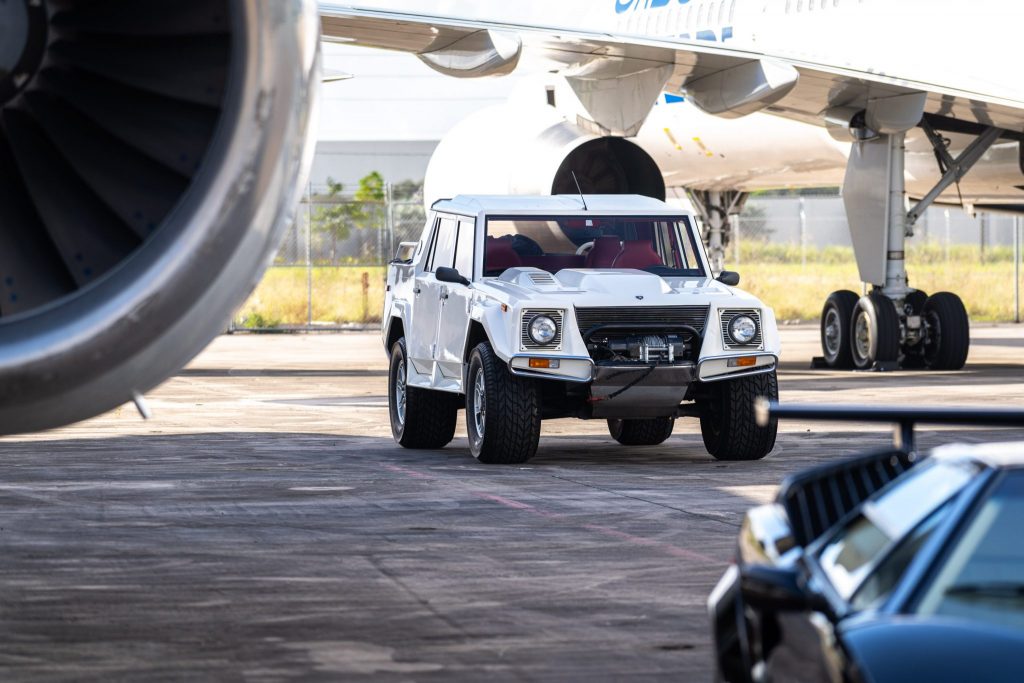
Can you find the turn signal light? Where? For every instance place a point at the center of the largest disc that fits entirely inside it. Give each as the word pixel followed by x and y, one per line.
pixel 546 363
pixel 742 362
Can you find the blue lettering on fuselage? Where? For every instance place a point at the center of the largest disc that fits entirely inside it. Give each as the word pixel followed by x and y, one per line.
pixel 627 5
pixel 623 6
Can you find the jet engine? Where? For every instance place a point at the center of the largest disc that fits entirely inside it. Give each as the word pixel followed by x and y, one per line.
pixel 151 157
pixel 526 149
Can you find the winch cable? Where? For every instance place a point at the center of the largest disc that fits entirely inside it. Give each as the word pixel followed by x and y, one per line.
pixel 618 392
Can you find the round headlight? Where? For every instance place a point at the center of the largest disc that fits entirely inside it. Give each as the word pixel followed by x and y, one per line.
pixel 543 329
pixel 742 329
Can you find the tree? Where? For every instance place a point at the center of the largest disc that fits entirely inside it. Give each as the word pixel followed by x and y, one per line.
pixel 336 216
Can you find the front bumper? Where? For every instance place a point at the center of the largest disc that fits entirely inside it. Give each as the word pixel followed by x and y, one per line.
pixel 582 369
pixel 639 391
pixel 716 368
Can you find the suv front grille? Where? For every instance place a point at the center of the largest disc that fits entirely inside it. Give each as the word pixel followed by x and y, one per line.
pixel 694 316
pixel 727 314
pixel 524 332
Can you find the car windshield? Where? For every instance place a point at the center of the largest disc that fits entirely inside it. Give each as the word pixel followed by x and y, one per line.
pixel 983 576
pixel 855 550
pixel 664 246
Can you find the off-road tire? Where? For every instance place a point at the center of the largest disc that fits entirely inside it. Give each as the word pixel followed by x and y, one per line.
pixel 511 428
pixel 728 423
pixel 648 432
pixel 430 416
pixel 883 332
pixel 949 332
pixel 840 304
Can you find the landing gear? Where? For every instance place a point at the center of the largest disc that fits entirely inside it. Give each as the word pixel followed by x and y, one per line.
pixel 874 332
pixel 716 210
pixel 836 319
pixel 947 340
pixel 894 326
pixel 913 350
pixel 869 333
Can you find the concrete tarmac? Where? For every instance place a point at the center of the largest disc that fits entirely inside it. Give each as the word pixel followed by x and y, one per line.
pixel 264 526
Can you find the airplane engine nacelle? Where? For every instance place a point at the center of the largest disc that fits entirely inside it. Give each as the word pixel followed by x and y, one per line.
pixel 151 157
pixel 521 149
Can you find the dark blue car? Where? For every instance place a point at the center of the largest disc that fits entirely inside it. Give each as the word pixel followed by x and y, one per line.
pixel 887 567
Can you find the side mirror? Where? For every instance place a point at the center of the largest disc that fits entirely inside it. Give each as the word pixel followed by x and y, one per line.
pixel 405 252
pixel 780 589
pixel 729 277
pixel 445 274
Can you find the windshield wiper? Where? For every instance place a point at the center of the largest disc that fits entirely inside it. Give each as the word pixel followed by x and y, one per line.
pixel 993 589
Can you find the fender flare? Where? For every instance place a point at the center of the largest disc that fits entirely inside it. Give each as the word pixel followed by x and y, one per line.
pixel 398 312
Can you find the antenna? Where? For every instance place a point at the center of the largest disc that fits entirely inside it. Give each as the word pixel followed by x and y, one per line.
pixel 580 190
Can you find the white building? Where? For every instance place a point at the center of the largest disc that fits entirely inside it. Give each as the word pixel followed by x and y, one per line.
pixel 391 114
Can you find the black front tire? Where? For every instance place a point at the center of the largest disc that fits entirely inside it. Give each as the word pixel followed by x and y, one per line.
pixel 728 423
pixel 647 432
pixel 835 329
pixel 949 332
pixel 502 410
pixel 874 331
pixel 426 418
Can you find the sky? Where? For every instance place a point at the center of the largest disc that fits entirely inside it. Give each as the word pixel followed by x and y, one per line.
pixel 394 96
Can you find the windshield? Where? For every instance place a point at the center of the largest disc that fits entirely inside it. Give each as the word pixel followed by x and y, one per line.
pixel 983 578
pixel 664 246
pixel 856 549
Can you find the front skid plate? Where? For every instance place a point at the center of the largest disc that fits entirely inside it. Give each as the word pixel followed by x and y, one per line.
pixel 639 391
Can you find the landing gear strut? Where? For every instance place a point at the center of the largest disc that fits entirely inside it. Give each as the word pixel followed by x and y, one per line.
pixel 716 210
pixel 894 326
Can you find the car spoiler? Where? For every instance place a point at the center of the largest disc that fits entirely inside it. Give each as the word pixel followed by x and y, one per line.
pixel 818 498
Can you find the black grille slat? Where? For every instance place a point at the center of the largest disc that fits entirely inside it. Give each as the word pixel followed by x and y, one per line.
pixel 694 316
pixel 818 499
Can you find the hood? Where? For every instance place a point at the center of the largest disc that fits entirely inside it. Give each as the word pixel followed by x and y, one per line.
pixel 614 283
pixel 895 650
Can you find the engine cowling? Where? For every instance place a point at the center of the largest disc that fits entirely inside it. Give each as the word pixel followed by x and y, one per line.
pixel 151 157
pixel 524 149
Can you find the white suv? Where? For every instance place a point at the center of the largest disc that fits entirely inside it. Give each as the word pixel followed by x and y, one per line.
pixel 521 309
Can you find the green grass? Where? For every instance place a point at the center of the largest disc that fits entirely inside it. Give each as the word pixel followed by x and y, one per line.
pixel 770 271
pixel 282 297
pixel 775 274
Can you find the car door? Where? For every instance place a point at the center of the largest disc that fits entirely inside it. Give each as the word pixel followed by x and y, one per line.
pixel 455 302
pixel 427 295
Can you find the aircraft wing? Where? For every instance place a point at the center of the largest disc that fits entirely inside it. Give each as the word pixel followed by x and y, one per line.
pixel 617 78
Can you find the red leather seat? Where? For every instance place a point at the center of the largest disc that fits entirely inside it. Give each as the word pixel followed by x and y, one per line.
pixel 604 251
pixel 636 254
pixel 499 256
pixel 553 262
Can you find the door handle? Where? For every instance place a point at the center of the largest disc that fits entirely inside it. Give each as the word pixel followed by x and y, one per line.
pixel 416 290
pixel 444 293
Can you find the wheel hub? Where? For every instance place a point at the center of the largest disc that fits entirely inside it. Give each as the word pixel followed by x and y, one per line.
pixel 833 332
pixel 479 405
pixel 23 32
pixel 400 394
pixel 862 335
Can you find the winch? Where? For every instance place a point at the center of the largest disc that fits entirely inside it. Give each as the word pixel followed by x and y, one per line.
pixel 649 348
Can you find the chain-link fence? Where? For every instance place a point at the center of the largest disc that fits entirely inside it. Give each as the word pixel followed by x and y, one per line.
pixel 330 270
pixel 791 250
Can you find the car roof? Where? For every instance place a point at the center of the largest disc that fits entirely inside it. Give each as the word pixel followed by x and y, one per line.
pixel 568 204
pixel 997 455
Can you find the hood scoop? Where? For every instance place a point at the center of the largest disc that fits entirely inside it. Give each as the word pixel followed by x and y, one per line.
pixel 533 278
pixel 542 279
pixel 623 281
